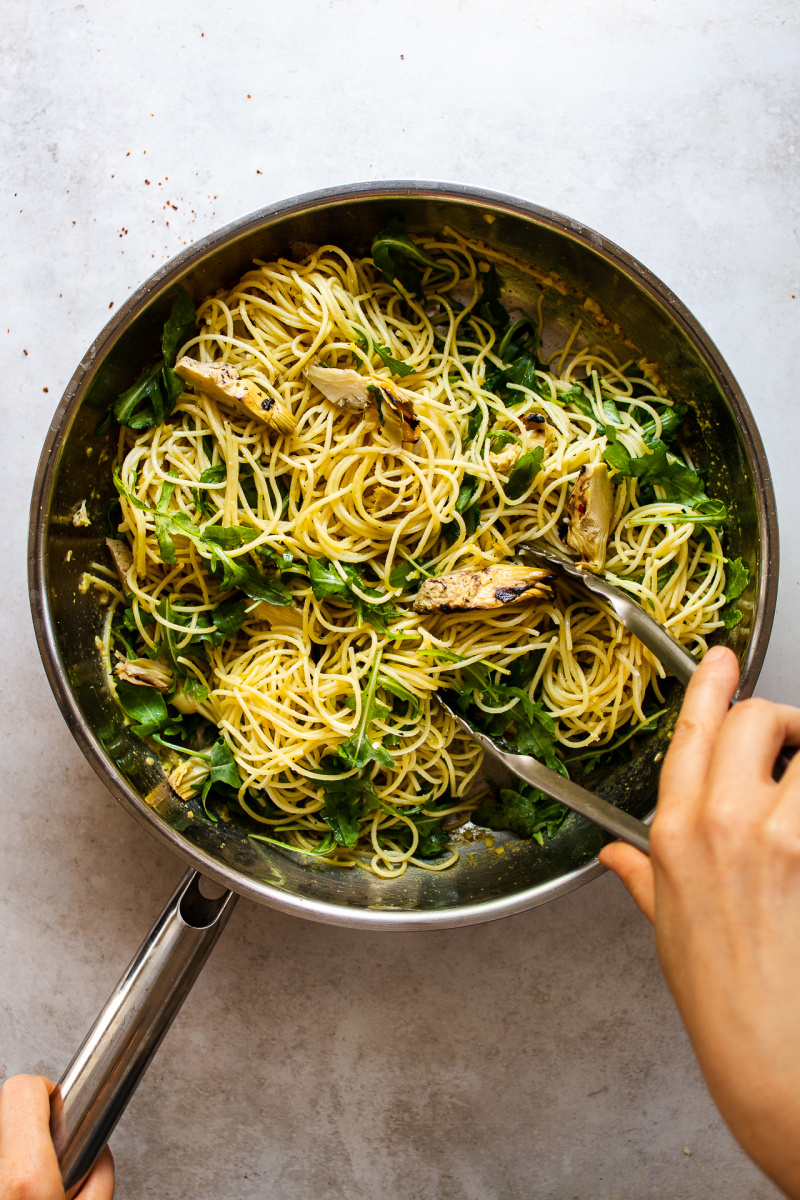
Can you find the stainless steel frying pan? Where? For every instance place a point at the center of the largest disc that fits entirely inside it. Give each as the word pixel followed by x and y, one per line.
pixel 571 263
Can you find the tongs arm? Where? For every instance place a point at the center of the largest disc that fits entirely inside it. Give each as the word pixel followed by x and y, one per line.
pixel 558 787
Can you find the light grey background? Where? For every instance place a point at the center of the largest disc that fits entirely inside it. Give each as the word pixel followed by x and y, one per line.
pixel 537 1057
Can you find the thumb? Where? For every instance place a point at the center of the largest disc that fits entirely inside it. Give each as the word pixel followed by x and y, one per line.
pixel 636 872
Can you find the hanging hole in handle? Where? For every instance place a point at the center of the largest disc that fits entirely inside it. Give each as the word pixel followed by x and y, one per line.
pixel 202 902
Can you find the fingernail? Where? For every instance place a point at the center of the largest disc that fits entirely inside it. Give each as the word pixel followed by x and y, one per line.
pixel 715 653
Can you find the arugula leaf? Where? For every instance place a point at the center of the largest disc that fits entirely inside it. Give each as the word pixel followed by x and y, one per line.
pixel 731 617
pixel 467 492
pixel 489 308
pixel 327 584
pixel 385 355
pixel 144 705
pixel 358 750
pixel 517 352
pixel 671 421
pixel 471 516
pixel 346 801
pixel 474 422
pixel 230 537
pixel 432 837
pixel 402 693
pixel 737 579
pixel 526 468
pixel 524 810
pixel 681 484
pixel 166 643
pixel 591 758
pixel 711 513
pixel 194 690
pixel 147 387
pixel 535 735
pixel 523 669
pixel 400 574
pixel 470 485
pixel 233 572
pixel 284 561
pixel 223 775
pixel 394 254
pixel 214 474
pixel 180 328
pixel 527 728
pixel 498 438
pixel 578 397
pixel 152 397
pixel 229 617
pixel 610 411
pixel 166 546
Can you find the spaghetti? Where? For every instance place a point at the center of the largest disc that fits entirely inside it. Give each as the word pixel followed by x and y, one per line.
pixel 329 738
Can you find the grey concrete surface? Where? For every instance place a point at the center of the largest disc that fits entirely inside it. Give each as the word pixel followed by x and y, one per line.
pixel 537 1057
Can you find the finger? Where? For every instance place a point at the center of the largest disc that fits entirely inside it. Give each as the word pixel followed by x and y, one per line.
pixel 100 1182
pixel 705 707
pixel 636 872
pixel 26 1148
pixel 751 738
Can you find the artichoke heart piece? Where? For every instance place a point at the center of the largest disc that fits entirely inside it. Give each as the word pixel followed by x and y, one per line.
pixel 491 587
pixel 154 673
pixel 222 382
pixel 347 389
pixel 589 512
pixel 123 561
pixel 537 433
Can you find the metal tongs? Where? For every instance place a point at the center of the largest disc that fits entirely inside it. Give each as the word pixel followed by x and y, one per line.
pixel 677 660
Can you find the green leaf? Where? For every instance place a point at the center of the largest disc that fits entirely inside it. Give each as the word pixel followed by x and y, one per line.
pixel 731 617
pixel 397 689
pixel 467 492
pixel 681 484
pixel 194 689
pixel 498 438
pixel 399 574
pixel 471 517
pixel 394 254
pixel 152 397
pixel 489 308
pixel 223 767
pixel 146 388
pixel 215 474
pixel 346 802
pixel 610 411
pixel 592 758
pixel 474 422
pixel 671 421
pixel 144 705
pixel 326 582
pixel 522 809
pixel 737 577
pixel 229 617
pixel 526 468
pixel 358 750
pixel 578 397
pixel 180 328
pixel 385 355
pixel 517 351
pixel 230 537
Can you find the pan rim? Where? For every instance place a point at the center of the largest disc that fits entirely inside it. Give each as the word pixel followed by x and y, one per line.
pixel 165 277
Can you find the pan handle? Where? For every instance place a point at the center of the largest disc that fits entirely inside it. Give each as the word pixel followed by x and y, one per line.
pixel 92 1093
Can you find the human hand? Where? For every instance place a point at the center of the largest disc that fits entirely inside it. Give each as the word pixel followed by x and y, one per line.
pixel 722 886
pixel 28 1164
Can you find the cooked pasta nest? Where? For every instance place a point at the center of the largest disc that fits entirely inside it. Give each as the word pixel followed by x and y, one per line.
pixel 290 686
